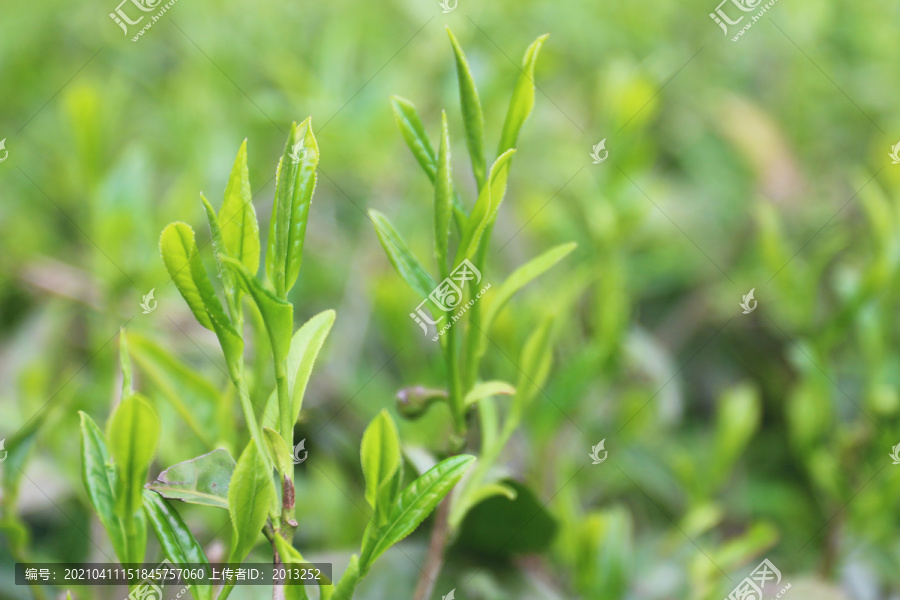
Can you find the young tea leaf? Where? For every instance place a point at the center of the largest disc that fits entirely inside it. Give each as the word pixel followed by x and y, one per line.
pixel 443 200
pixel 237 217
pixel 250 495
pixel 177 541
pixel 133 436
pixel 473 119
pixel 305 346
pixel 414 133
pixel 201 480
pixel 218 245
pixel 98 475
pixel 415 503
pixel 295 183
pixel 485 209
pixel 522 101
pixel 125 364
pixel 182 259
pixel 380 455
pixel 401 256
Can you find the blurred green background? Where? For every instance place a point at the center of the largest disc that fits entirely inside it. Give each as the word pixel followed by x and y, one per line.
pixel 759 164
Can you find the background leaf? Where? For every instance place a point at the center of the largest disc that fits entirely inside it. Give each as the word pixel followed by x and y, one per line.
pixel 201 480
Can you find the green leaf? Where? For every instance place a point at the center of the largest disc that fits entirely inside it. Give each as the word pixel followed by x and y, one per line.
pixel 305 346
pixel 218 245
pixel 202 480
pixel 380 457
pixel 237 217
pixel 292 558
pixel 414 505
pixel 414 133
pixel 194 398
pixel 473 119
pixel 125 364
pixel 401 256
pixel 522 101
pixel 486 389
pixel 133 436
pixel 443 200
pixel 485 209
pixel 295 183
pixel 284 457
pixel 99 481
pixel 347 584
pixel 522 277
pixel 250 495
pixel 738 418
pixel 534 364
pixel 277 314
pixel 175 539
pixel 182 259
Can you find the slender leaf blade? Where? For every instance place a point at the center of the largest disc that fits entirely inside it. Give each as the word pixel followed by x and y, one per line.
pixel 178 543
pixel 522 102
pixel 414 134
pixel 522 277
pixel 305 346
pixel 237 217
pixel 485 209
pixel 443 196
pixel 99 482
pixel 415 503
pixel 250 495
pixel 473 118
pixel 401 256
